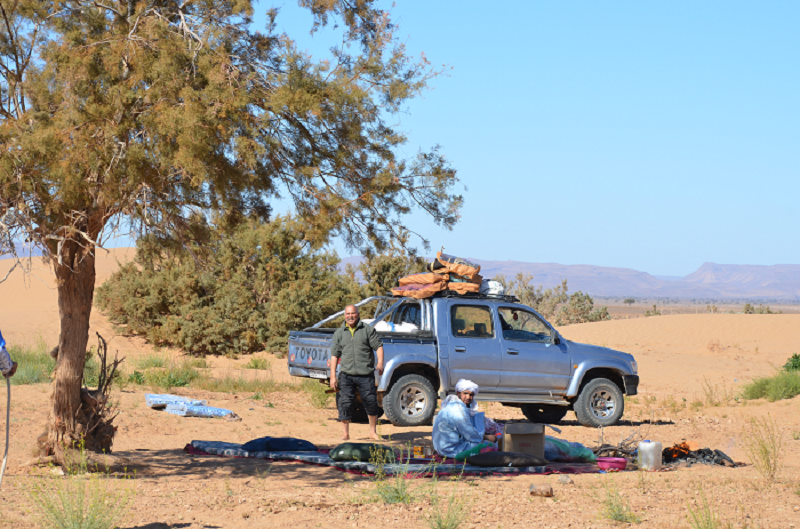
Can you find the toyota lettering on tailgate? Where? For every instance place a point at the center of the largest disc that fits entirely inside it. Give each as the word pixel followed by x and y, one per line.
pixel 310 354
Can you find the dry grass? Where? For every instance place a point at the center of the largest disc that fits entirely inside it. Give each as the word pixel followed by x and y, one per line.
pixel 763 443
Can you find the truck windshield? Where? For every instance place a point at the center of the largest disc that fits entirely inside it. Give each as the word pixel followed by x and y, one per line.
pixel 521 325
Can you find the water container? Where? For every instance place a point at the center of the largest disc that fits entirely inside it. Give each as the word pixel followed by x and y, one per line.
pixel 649 455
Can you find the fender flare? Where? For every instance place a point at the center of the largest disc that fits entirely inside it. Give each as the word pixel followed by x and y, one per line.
pixel 620 368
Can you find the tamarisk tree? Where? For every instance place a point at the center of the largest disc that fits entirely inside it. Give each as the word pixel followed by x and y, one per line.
pixel 144 114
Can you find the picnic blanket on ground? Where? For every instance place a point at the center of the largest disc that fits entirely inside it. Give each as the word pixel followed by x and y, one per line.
pixel 415 467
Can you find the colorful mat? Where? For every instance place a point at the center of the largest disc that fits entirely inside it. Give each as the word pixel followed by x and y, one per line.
pixel 411 467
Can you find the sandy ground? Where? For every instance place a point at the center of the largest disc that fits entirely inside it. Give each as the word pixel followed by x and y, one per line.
pixel 684 360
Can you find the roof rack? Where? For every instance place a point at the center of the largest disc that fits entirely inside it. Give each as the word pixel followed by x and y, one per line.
pixel 470 295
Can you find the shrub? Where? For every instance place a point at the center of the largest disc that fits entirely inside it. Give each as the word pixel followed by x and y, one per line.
pixel 241 384
pixel 781 385
pixel 654 312
pixel 793 364
pixel 392 489
pixel 554 304
pixel 762 443
pixel 152 360
pixel 254 283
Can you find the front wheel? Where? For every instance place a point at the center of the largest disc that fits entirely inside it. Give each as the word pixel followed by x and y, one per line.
pixel 600 403
pixel 543 413
pixel 411 401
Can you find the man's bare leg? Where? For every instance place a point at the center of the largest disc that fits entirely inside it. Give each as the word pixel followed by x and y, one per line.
pixel 373 424
pixel 346 430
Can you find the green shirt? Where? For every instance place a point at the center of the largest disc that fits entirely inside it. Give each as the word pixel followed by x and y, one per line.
pixel 354 348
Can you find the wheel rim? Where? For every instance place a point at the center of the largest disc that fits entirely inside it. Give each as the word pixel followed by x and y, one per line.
pixel 602 403
pixel 413 401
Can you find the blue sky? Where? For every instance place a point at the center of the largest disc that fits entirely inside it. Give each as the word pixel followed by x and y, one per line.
pixel 647 135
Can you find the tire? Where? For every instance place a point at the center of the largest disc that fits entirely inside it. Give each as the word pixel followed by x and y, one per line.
pixel 543 413
pixel 411 401
pixel 600 403
pixel 358 415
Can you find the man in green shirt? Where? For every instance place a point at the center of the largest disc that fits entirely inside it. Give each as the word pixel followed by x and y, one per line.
pixel 352 347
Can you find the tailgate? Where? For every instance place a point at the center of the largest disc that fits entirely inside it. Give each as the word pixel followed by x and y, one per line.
pixel 310 354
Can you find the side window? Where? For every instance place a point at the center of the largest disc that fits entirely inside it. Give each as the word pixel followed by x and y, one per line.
pixel 471 321
pixel 409 313
pixel 522 325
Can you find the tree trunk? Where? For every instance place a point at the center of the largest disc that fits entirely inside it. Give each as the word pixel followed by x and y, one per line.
pixel 76 276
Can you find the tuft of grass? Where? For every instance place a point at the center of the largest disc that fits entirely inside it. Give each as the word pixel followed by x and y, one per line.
pixel 34 364
pixel 762 443
pixel 449 513
pixel 174 375
pixel 316 392
pixel 81 499
pixel 615 508
pixel 704 517
pixel 241 384
pixel 781 385
pixel 715 395
pixel 258 363
pixel 196 362
pixel 392 489
pixel 153 360
pixel 796 435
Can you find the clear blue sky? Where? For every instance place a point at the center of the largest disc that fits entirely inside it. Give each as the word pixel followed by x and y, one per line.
pixel 646 135
pixel 654 136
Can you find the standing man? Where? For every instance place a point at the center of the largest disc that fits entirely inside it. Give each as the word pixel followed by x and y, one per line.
pixel 353 344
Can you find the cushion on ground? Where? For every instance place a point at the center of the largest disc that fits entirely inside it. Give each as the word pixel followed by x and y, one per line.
pixel 278 444
pixel 362 452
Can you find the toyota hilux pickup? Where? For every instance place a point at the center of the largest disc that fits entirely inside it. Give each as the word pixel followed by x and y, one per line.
pixel 508 349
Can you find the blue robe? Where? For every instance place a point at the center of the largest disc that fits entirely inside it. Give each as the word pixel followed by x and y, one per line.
pixel 454 430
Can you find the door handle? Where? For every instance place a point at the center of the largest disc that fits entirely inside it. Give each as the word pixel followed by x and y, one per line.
pixel 460 349
pixel 512 352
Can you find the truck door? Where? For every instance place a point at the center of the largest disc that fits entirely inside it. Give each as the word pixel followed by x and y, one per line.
pixel 530 361
pixel 474 345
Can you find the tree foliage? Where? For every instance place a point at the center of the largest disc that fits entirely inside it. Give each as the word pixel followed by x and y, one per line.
pixel 146 114
pixel 257 283
pixel 380 271
pixel 554 304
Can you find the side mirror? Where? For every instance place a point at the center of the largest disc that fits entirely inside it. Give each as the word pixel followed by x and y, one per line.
pixel 556 338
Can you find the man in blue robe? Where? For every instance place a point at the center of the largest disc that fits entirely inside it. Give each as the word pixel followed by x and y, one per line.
pixel 459 426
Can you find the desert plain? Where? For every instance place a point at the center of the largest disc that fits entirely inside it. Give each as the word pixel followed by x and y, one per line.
pixel 692 368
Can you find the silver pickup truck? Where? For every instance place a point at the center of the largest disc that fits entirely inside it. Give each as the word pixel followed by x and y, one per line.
pixel 514 355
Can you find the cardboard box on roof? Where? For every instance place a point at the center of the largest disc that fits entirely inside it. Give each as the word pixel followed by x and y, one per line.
pixel 523 437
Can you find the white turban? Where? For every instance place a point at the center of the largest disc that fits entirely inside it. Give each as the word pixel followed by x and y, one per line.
pixel 464 385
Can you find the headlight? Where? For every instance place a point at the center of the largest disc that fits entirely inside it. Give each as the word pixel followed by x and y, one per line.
pixel 634 367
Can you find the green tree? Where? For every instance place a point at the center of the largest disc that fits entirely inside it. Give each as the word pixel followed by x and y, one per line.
pixel 144 114
pixel 258 283
pixel 629 301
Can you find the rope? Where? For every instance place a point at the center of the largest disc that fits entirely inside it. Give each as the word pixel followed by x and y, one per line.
pixel 8 429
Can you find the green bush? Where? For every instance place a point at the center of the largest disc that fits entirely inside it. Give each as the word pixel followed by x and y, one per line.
pixel 242 291
pixel 793 364
pixel 781 385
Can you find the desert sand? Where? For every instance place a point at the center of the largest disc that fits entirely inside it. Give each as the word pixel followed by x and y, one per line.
pixel 682 359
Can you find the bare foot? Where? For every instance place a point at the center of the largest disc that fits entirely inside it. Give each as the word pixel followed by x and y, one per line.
pixel 345 438
pixel 376 437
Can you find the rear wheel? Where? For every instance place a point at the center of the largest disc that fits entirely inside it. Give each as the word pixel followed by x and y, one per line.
pixel 600 403
pixel 543 413
pixel 411 401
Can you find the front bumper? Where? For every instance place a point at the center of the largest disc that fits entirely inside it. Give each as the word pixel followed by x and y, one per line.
pixel 631 384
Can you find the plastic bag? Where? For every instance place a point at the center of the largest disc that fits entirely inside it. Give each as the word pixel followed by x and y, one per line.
pixel 561 451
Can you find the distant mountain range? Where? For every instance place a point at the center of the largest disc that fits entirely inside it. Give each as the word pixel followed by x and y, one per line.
pixel 710 281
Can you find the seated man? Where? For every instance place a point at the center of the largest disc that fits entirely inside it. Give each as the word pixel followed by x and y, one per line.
pixel 459 426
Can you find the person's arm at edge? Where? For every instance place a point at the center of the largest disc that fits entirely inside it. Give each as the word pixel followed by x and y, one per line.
pixel 336 352
pixel 466 429
pixel 379 357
